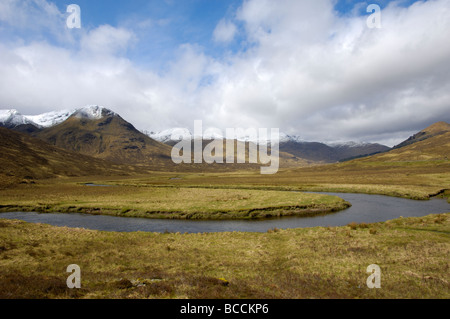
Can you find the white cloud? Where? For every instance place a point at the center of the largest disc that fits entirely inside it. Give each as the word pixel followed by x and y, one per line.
pixel 305 70
pixel 107 40
pixel 33 17
pixel 224 31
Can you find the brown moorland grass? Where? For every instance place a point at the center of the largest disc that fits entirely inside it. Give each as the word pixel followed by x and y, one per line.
pixel 165 202
pixel 322 262
pixel 229 195
pixel 416 180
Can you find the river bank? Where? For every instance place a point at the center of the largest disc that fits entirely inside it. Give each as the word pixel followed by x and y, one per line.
pixel 321 262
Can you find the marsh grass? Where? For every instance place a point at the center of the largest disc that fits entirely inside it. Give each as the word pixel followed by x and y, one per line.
pixel 300 263
pixel 164 202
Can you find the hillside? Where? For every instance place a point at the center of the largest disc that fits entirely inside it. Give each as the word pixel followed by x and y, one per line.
pixel 433 130
pixel 320 152
pixel 293 150
pixel 434 148
pixel 101 133
pixel 12 119
pixel 285 159
pixel 430 144
pixel 25 159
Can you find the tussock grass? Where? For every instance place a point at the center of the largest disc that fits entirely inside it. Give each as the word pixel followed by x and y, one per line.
pixel 322 262
pixel 164 202
pixel 414 179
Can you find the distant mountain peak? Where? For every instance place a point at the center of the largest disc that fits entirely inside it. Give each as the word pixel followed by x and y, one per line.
pixel 432 130
pixel 214 133
pixel 12 118
pixel 437 127
pixel 50 119
pixel 348 144
pixel 174 134
pixel 93 112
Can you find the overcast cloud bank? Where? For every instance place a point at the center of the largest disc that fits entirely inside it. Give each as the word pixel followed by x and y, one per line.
pixel 301 67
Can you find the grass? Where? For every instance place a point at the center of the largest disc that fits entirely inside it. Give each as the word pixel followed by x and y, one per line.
pixel 232 195
pixel 164 202
pixel 322 262
pixel 399 179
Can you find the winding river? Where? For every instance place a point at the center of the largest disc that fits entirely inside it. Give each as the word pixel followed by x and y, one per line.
pixel 365 209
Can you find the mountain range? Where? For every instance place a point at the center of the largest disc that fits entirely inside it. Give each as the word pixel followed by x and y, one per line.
pixel 92 130
pixel 290 144
pixel 100 133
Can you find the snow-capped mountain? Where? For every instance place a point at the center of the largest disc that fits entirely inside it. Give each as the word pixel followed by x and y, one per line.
pixel 177 134
pixel 51 124
pixel 99 132
pixel 51 118
pixel 347 144
pixel 93 112
pixel 291 144
pixel 12 118
pixel 171 135
pixel 290 138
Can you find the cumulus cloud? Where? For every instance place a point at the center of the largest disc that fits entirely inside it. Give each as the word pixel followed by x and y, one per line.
pixel 107 40
pixel 303 68
pixel 224 31
pixel 326 76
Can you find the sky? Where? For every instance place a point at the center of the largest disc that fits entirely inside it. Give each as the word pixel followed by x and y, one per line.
pixel 310 68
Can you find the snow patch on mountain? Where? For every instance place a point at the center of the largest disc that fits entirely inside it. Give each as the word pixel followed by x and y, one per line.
pixel 12 118
pixel 178 134
pixel 93 112
pixel 174 134
pixel 347 144
pixel 284 138
pixel 51 118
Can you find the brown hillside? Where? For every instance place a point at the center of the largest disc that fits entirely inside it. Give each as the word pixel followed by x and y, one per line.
pixel 431 149
pixel 110 138
pixel 25 159
pixel 433 130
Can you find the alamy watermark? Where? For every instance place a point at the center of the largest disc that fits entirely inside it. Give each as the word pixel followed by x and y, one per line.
pixel 236 152
pixel 74 280
pixel 74 19
pixel 374 280
pixel 374 20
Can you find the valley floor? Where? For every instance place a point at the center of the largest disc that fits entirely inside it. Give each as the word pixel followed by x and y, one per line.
pixel 302 263
pixel 299 263
pixel 166 202
pixel 229 195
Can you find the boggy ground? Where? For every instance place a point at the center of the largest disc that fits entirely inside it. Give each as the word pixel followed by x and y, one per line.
pixel 232 195
pixel 165 202
pixel 300 263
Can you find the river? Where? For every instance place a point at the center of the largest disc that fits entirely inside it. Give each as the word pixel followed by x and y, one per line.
pixel 365 209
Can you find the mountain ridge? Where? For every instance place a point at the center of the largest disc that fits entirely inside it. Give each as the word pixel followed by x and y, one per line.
pixel 100 132
pixel 26 159
pixel 432 130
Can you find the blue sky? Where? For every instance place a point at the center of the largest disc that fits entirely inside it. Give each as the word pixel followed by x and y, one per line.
pixel 171 23
pixel 161 26
pixel 167 24
pixel 310 68
pixel 345 6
